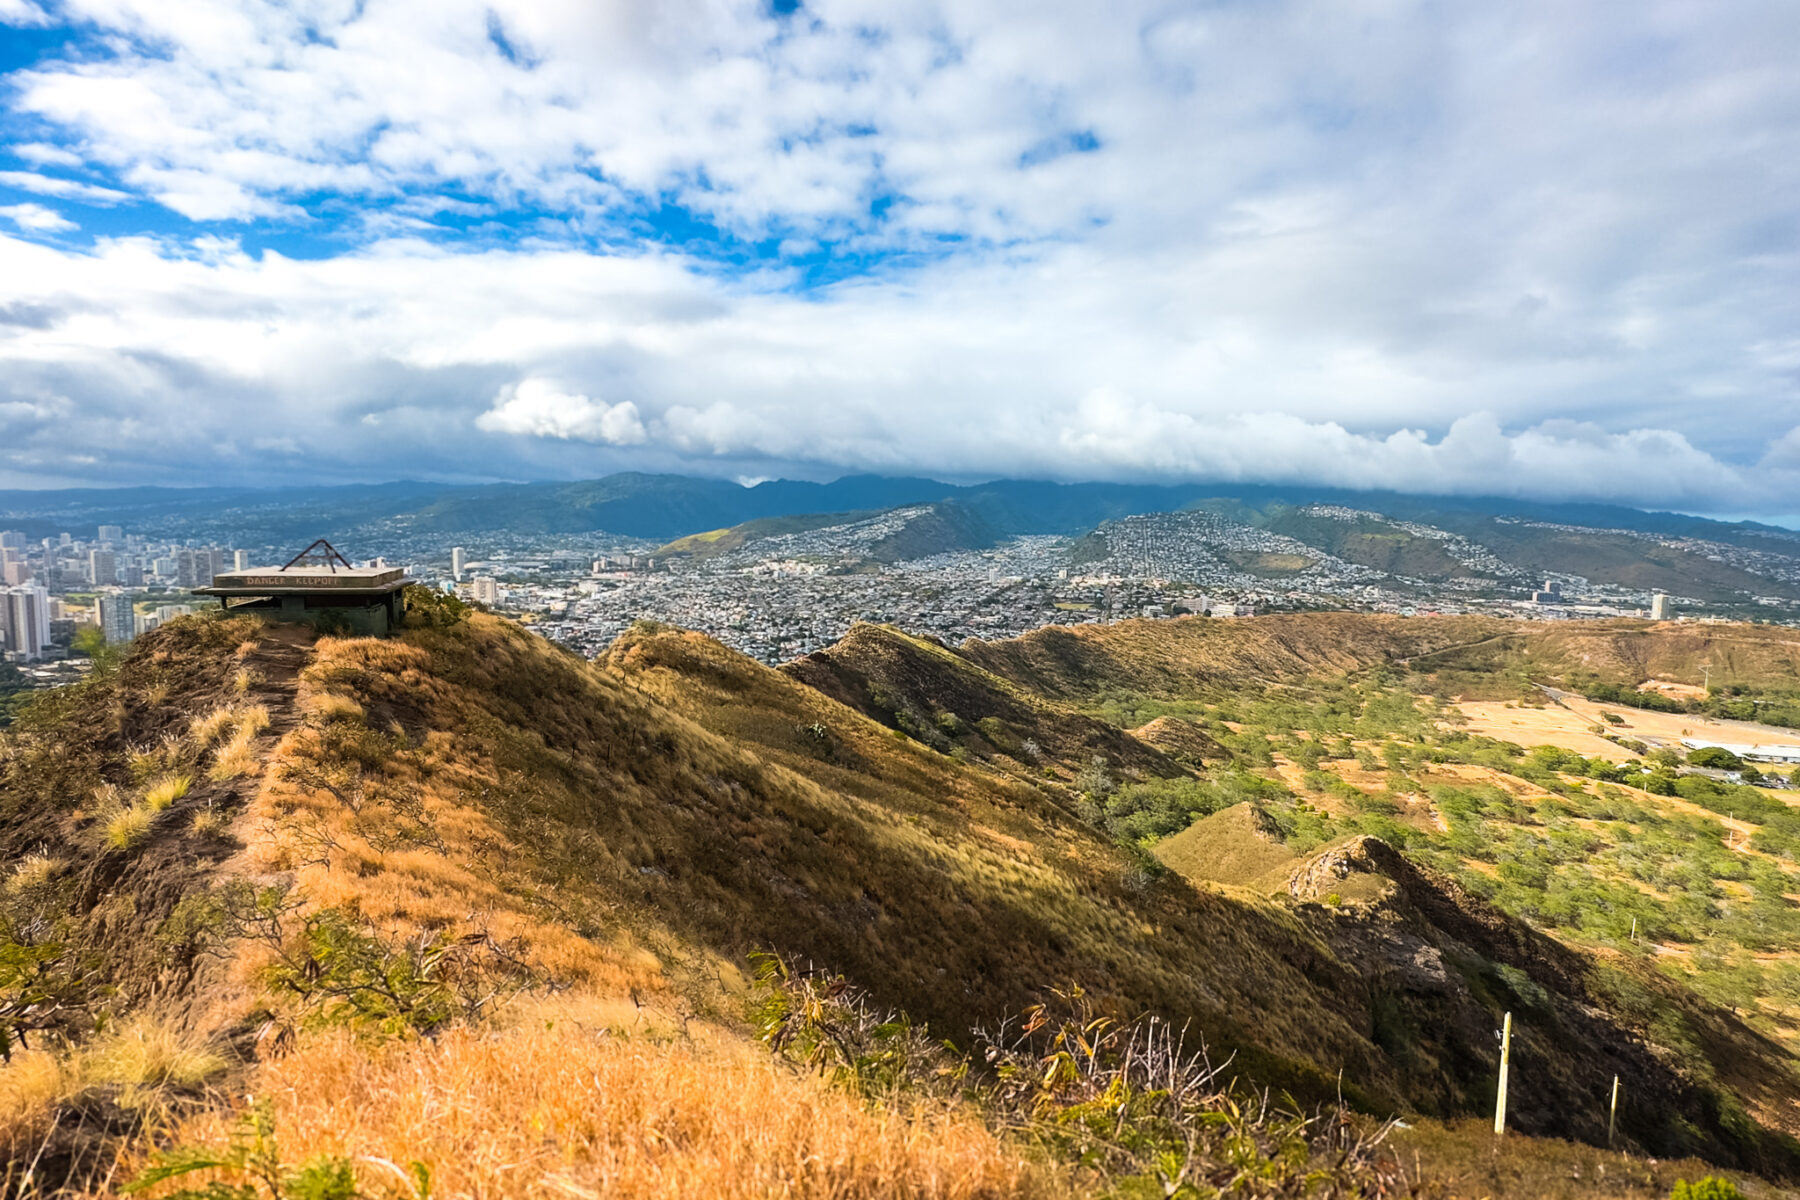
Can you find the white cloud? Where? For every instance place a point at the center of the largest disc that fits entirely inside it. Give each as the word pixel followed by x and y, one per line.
pixel 69 189
pixel 45 155
pixel 538 409
pixel 35 218
pixel 407 359
pixel 1532 248
pixel 22 14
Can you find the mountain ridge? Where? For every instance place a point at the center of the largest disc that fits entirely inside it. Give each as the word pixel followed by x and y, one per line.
pixel 669 506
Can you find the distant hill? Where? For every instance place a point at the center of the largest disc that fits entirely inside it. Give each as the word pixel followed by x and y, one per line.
pixel 942 699
pixel 714 542
pixel 672 506
pixel 1239 845
pixel 895 535
pixel 1312 534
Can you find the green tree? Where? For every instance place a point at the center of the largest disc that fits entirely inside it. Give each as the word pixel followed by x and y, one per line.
pixel 1716 757
pixel 90 640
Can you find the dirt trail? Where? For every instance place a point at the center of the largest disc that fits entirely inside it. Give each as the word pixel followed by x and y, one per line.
pixel 281 654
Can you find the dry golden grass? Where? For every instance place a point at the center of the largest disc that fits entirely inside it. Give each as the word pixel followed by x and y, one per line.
pixel 138 1061
pixel 147 1051
pixel 329 706
pixel 210 728
pixel 253 717
pixel 33 871
pixel 166 791
pixel 237 757
pixel 437 866
pixel 573 1111
pixel 229 719
pixel 127 827
pixel 32 1085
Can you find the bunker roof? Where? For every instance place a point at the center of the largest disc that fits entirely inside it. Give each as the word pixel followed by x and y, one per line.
pixel 317 569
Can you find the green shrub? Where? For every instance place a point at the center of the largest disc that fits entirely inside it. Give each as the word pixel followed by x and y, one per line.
pixel 428 608
pixel 252 1164
pixel 1710 1188
pixel 1135 1100
pixel 338 973
pixel 41 989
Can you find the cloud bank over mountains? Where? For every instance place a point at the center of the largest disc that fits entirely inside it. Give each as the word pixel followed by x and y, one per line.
pixel 1529 249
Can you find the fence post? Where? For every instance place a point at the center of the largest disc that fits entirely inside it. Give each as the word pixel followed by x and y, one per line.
pixel 1612 1115
pixel 1505 1062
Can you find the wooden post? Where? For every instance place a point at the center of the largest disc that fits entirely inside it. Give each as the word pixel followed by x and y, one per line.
pixel 1505 1062
pixel 1612 1115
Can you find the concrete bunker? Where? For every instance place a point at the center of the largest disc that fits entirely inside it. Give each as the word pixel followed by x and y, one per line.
pixel 320 587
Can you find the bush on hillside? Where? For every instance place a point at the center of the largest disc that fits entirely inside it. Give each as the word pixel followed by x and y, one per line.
pixel 428 608
pixel 41 988
pixel 336 972
pixel 1130 1099
pixel 254 1160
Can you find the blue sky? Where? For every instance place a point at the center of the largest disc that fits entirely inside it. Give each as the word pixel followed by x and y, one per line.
pixel 1527 248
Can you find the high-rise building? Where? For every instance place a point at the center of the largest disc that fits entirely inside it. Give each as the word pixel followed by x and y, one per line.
pixel 132 574
pixel 240 560
pixel 486 590
pixel 103 568
pixel 14 571
pixel 1660 608
pixel 25 621
pixel 196 566
pixel 114 614
pixel 111 535
pixel 11 539
pixel 456 563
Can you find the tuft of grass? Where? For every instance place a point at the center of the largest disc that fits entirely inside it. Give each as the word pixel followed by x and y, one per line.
pixel 214 725
pixel 235 758
pixel 208 822
pixel 33 1085
pixel 254 718
pixel 244 680
pixel 128 826
pixel 33 872
pixel 330 706
pixel 242 723
pixel 166 791
pixel 143 1062
pixel 147 1050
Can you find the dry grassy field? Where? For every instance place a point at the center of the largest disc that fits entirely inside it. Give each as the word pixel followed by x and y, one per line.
pixel 1569 721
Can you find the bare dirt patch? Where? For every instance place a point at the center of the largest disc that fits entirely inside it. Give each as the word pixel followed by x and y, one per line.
pixel 1668 728
pixel 1674 690
pixel 1554 725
